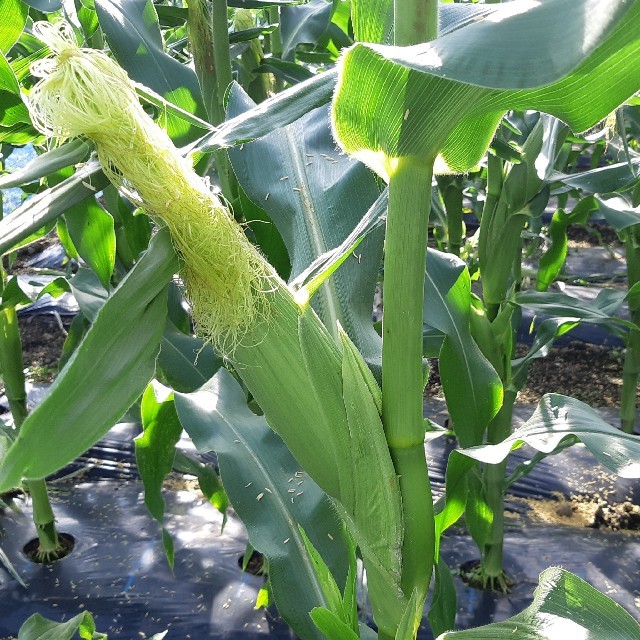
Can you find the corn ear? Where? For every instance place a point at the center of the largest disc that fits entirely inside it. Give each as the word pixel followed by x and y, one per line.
pixel 320 399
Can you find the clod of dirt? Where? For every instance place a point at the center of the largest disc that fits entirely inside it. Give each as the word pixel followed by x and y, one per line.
pixel 625 516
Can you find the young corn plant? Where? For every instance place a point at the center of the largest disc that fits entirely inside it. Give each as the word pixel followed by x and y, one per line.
pixel 424 103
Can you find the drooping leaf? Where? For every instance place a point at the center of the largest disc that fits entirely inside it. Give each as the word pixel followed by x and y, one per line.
pixel 49 162
pixel 471 385
pixel 270 493
pixel 519 55
pixel 280 110
pixel 558 417
pixel 37 626
pixel 103 377
pixel 564 606
pixel 619 213
pixel 155 451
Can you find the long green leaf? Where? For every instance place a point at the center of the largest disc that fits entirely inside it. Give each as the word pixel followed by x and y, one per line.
pixel 574 60
pixel 104 376
pixel 48 205
pixel 270 493
pixel 13 16
pixel 471 385
pixel 564 606
pixel 315 197
pixel 47 163
pixel 558 417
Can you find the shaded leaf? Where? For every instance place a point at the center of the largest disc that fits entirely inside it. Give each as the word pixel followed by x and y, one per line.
pixel 316 197
pixel 155 451
pixel 48 205
pixel 258 471
pixel 471 385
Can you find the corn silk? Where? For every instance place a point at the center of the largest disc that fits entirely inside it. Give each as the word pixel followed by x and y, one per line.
pixel 82 92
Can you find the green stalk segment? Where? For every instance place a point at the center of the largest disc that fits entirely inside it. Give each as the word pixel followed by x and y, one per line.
pixel 210 44
pixel 49 548
pixel 631 367
pixel 402 377
pixel 493 575
pixel 415 21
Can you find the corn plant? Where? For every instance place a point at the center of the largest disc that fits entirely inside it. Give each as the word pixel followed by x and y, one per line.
pixel 424 104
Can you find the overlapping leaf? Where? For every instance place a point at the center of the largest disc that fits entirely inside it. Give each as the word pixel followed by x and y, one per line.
pixel 574 60
pixel 270 493
pixel 316 197
pixel 471 385
pixel 101 379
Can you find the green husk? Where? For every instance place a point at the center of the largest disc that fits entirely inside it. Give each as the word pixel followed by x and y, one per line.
pixel 84 93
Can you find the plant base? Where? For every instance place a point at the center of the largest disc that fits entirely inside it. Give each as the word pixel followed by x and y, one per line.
pixel 36 554
pixel 472 574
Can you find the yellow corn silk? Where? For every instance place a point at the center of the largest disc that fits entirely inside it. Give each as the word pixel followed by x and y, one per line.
pixel 317 395
pixel 84 93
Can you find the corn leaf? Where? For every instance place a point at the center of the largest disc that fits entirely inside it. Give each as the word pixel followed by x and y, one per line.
pixel 471 385
pixel 103 377
pixel 91 229
pixel 297 357
pixel 315 197
pixel 564 606
pixel 47 206
pixel 558 417
pixel 49 162
pixel 573 60
pixel 331 626
pixel 271 495
pixel 37 626
pixel 156 450
pixel 134 37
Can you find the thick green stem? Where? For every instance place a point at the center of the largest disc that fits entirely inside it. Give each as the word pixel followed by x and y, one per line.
pixel 631 367
pixel 402 378
pixel 14 383
pixel 49 547
pixel 415 21
pixel 494 483
pixel 451 192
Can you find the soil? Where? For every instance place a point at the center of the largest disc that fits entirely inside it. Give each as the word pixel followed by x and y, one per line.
pixel 591 373
pixel 42 341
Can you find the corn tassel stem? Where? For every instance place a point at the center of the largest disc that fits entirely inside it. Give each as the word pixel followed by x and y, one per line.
pixel 631 367
pixel 402 374
pixel 415 21
pixel 14 382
